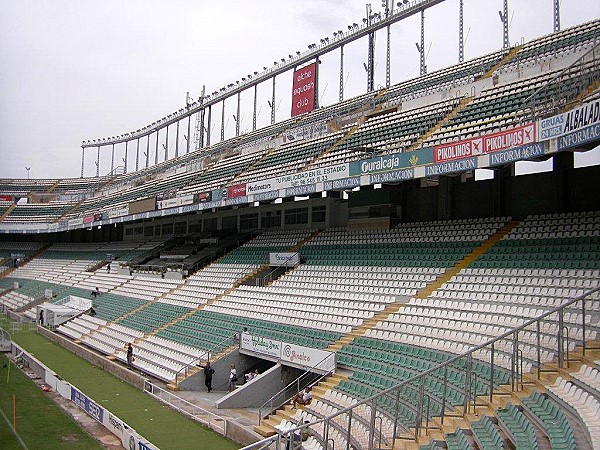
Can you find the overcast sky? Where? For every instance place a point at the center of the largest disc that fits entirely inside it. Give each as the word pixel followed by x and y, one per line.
pixel 72 70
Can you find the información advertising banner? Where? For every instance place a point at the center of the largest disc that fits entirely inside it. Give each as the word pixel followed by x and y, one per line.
pixel 577 127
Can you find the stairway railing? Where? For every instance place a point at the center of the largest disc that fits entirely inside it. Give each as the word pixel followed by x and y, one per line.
pixel 404 397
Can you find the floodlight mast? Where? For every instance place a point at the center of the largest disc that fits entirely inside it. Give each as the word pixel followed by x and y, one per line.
pixel 556 16
pixel 355 32
pixel 389 10
pixel 82 159
pixel 504 18
pixel 368 20
pixel 461 42
pixel 423 66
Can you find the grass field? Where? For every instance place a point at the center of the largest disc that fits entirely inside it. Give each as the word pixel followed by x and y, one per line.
pixel 156 422
pixel 7 438
pixel 41 424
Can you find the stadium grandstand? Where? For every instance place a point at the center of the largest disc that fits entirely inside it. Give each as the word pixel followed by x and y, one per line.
pixel 425 308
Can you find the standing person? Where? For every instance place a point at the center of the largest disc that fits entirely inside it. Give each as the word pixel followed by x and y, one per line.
pixel 208 374
pixel 232 377
pixel 129 355
pixel 108 268
pixel 41 317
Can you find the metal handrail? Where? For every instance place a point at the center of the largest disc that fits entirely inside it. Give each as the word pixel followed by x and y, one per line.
pixel 295 382
pixel 270 274
pixel 195 362
pixel 490 343
pixel 208 418
pixel 528 102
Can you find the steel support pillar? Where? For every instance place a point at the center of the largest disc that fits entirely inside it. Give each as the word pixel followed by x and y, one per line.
pixel 237 117
pixel 82 159
pixel 177 141
pixel 156 151
pixel 341 73
pixel 147 151
pixel 98 164
pixel 223 122
pixel 187 150
pixel 137 155
pixel 167 144
pixel 273 104
pixel 125 159
pixel 254 108
pixel 112 160
pixel 208 125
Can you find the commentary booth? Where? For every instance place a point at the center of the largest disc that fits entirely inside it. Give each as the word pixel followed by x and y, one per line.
pixel 52 315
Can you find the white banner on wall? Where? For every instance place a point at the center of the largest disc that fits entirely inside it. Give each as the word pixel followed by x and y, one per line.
pixel 287 259
pixel 571 121
pixel 307 177
pixel 320 361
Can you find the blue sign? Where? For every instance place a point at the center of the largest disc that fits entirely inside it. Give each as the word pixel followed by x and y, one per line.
pixel 269 195
pixel 218 194
pixel 391 162
pixel 190 208
pixel 88 405
pixel 388 177
pixel 579 137
pixel 460 165
pixel 300 190
pixel 343 183
pixel 236 200
pixel 518 153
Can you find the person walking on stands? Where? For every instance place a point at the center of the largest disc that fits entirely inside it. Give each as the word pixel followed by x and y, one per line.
pixel 232 377
pixel 129 355
pixel 208 374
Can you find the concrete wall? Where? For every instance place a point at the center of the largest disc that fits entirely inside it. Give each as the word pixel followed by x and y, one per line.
pixel 221 376
pixel 256 392
pixel 98 360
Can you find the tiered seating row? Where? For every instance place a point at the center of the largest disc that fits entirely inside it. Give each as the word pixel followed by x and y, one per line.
pixel 15 300
pixel 207 284
pixel 152 316
pixel 208 330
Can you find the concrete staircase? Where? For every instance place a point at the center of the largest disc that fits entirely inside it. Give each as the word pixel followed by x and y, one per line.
pixel 53 187
pixel 8 211
pixel 510 55
pixel 466 261
pixel 267 426
pixel 461 105
pixel 504 396
pixel 332 147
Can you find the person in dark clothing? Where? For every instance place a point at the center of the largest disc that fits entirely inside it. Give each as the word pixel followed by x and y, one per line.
pixel 129 355
pixel 208 374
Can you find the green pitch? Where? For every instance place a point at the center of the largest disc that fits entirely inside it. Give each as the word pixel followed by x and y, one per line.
pixel 156 422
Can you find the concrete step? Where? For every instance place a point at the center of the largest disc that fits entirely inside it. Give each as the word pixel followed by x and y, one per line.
pixel 264 431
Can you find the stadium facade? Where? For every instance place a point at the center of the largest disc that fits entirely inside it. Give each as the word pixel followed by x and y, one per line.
pixel 457 312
